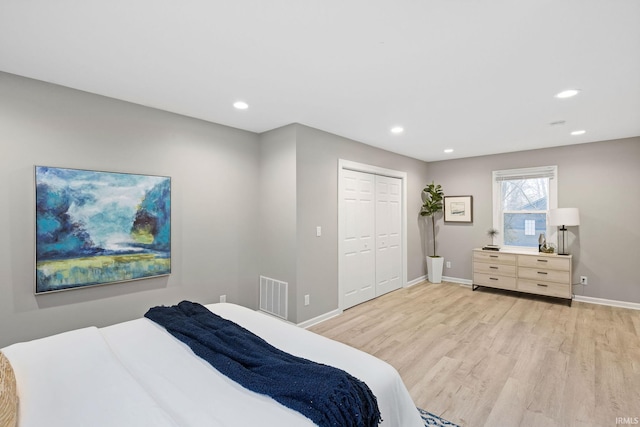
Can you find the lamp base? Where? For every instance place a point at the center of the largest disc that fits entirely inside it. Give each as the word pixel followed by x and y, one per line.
pixel 563 232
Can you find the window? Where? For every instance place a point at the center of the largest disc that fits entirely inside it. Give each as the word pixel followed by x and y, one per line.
pixel 521 202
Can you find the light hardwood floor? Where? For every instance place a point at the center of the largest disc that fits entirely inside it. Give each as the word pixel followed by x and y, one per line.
pixel 492 358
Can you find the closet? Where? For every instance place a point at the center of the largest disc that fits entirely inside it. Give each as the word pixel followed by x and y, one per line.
pixel 371 260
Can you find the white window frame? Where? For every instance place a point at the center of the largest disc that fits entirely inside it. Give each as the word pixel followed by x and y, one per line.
pixel 523 173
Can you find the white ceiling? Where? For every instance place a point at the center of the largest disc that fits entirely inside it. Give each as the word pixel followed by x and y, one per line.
pixel 478 76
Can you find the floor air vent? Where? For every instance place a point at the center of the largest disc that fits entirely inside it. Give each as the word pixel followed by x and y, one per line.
pixel 274 296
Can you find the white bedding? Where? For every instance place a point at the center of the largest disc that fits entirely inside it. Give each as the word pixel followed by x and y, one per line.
pixel 136 374
pixel 73 379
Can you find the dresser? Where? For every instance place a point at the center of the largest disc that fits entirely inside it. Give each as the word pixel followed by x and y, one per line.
pixel 530 272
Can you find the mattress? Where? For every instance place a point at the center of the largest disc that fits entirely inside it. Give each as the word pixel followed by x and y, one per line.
pixel 136 374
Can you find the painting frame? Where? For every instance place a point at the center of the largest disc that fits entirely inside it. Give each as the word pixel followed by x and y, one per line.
pixel 458 209
pixel 95 228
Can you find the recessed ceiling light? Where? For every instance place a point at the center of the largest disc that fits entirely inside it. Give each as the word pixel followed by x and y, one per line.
pixel 241 105
pixel 567 93
pixel 578 132
pixel 448 150
pixel 397 129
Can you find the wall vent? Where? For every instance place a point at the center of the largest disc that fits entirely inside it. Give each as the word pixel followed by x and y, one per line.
pixel 274 296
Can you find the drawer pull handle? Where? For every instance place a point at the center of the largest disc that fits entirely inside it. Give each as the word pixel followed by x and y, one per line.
pixel 542 272
pixel 492 278
pixel 493 256
pixel 491 266
pixel 542 260
pixel 544 286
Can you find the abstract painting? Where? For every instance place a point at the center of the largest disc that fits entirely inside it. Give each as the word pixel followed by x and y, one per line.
pixel 94 228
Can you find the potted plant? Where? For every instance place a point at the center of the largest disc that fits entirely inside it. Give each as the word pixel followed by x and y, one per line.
pixel 432 197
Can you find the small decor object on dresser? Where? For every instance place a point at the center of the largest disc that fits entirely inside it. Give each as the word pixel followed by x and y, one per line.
pixel 492 232
pixel 548 248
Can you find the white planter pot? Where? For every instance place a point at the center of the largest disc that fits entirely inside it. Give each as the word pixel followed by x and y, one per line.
pixel 434 269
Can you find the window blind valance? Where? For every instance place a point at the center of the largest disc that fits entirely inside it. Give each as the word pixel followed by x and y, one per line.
pixel 526 173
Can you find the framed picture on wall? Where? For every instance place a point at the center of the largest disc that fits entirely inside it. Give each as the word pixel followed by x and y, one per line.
pixel 95 228
pixel 458 208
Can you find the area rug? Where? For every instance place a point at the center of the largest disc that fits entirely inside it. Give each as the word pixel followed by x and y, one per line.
pixel 434 420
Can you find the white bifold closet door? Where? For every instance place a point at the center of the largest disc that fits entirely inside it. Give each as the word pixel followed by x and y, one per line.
pixel 358 267
pixel 388 232
pixel 371 247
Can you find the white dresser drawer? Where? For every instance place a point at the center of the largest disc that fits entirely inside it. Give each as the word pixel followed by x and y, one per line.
pixel 544 274
pixel 490 268
pixel 554 263
pixel 494 257
pixel 494 281
pixel 560 290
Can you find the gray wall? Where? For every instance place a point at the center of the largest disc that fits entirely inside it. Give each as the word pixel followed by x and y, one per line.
pixel 601 179
pixel 214 171
pixel 242 205
pixel 317 204
pixel 298 192
pixel 277 209
pixel 246 204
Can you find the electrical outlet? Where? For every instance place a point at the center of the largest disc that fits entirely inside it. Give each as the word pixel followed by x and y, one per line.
pixel 223 298
pixel 306 299
pixel 448 264
pixel 583 280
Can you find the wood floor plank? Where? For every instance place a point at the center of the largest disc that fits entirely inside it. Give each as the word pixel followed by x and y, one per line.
pixel 496 358
pixel 510 406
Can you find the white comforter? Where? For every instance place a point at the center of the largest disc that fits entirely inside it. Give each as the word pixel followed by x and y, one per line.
pixel 136 374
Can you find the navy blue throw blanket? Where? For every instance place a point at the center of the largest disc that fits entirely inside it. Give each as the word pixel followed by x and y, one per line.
pixel 326 395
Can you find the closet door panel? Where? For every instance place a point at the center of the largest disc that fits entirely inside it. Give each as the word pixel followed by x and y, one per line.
pixel 388 234
pixel 357 273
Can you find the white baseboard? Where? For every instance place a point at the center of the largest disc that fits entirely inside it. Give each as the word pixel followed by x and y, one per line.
pixel 416 281
pixel 609 302
pixel 319 319
pixel 464 282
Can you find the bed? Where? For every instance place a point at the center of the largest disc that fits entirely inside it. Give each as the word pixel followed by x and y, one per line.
pixel 136 374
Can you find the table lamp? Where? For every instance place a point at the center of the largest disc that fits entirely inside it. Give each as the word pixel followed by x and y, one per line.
pixel 564 217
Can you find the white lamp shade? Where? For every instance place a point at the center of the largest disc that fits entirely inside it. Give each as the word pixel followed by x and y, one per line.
pixel 564 216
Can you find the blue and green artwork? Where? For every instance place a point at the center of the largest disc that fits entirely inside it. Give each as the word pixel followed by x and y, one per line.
pixel 94 228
